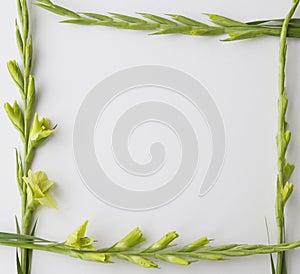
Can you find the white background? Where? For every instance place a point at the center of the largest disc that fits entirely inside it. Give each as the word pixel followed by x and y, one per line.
pixel 242 79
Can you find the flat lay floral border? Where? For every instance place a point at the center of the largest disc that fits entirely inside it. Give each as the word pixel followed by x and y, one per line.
pixel 35 187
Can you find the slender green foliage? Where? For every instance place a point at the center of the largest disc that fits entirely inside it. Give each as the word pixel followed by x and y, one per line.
pixel 285 169
pixel 177 24
pixel 32 131
pixel 128 249
pixel 34 186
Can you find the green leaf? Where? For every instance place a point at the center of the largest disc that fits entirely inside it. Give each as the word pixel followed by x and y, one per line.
pixel 17 225
pixel 272 264
pixel 19 268
pixel 284 266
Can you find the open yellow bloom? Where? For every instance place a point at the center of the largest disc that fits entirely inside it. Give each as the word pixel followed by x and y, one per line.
pixel 38 189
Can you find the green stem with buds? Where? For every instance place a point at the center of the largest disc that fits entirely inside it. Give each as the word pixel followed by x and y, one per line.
pixel 126 249
pixel 284 188
pixel 32 133
pixel 176 24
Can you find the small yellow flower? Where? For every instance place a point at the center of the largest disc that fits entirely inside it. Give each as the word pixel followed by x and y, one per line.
pixel 38 189
pixel 78 240
pixel 40 131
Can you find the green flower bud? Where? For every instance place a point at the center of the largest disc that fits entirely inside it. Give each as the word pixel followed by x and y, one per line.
pixel 30 101
pixel 195 245
pixel 134 238
pixel 288 170
pixel 19 171
pixel 40 131
pixel 38 187
pixel 172 259
pixel 16 75
pixel 92 256
pixel 163 242
pixel 139 260
pixel 287 191
pixel 19 38
pixel 28 57
pixel 16 116
pixel 78 240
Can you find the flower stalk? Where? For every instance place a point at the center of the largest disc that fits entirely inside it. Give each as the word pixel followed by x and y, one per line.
pixel 176 24
pixel 127 249
pixel 32 132
pixel 284 188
